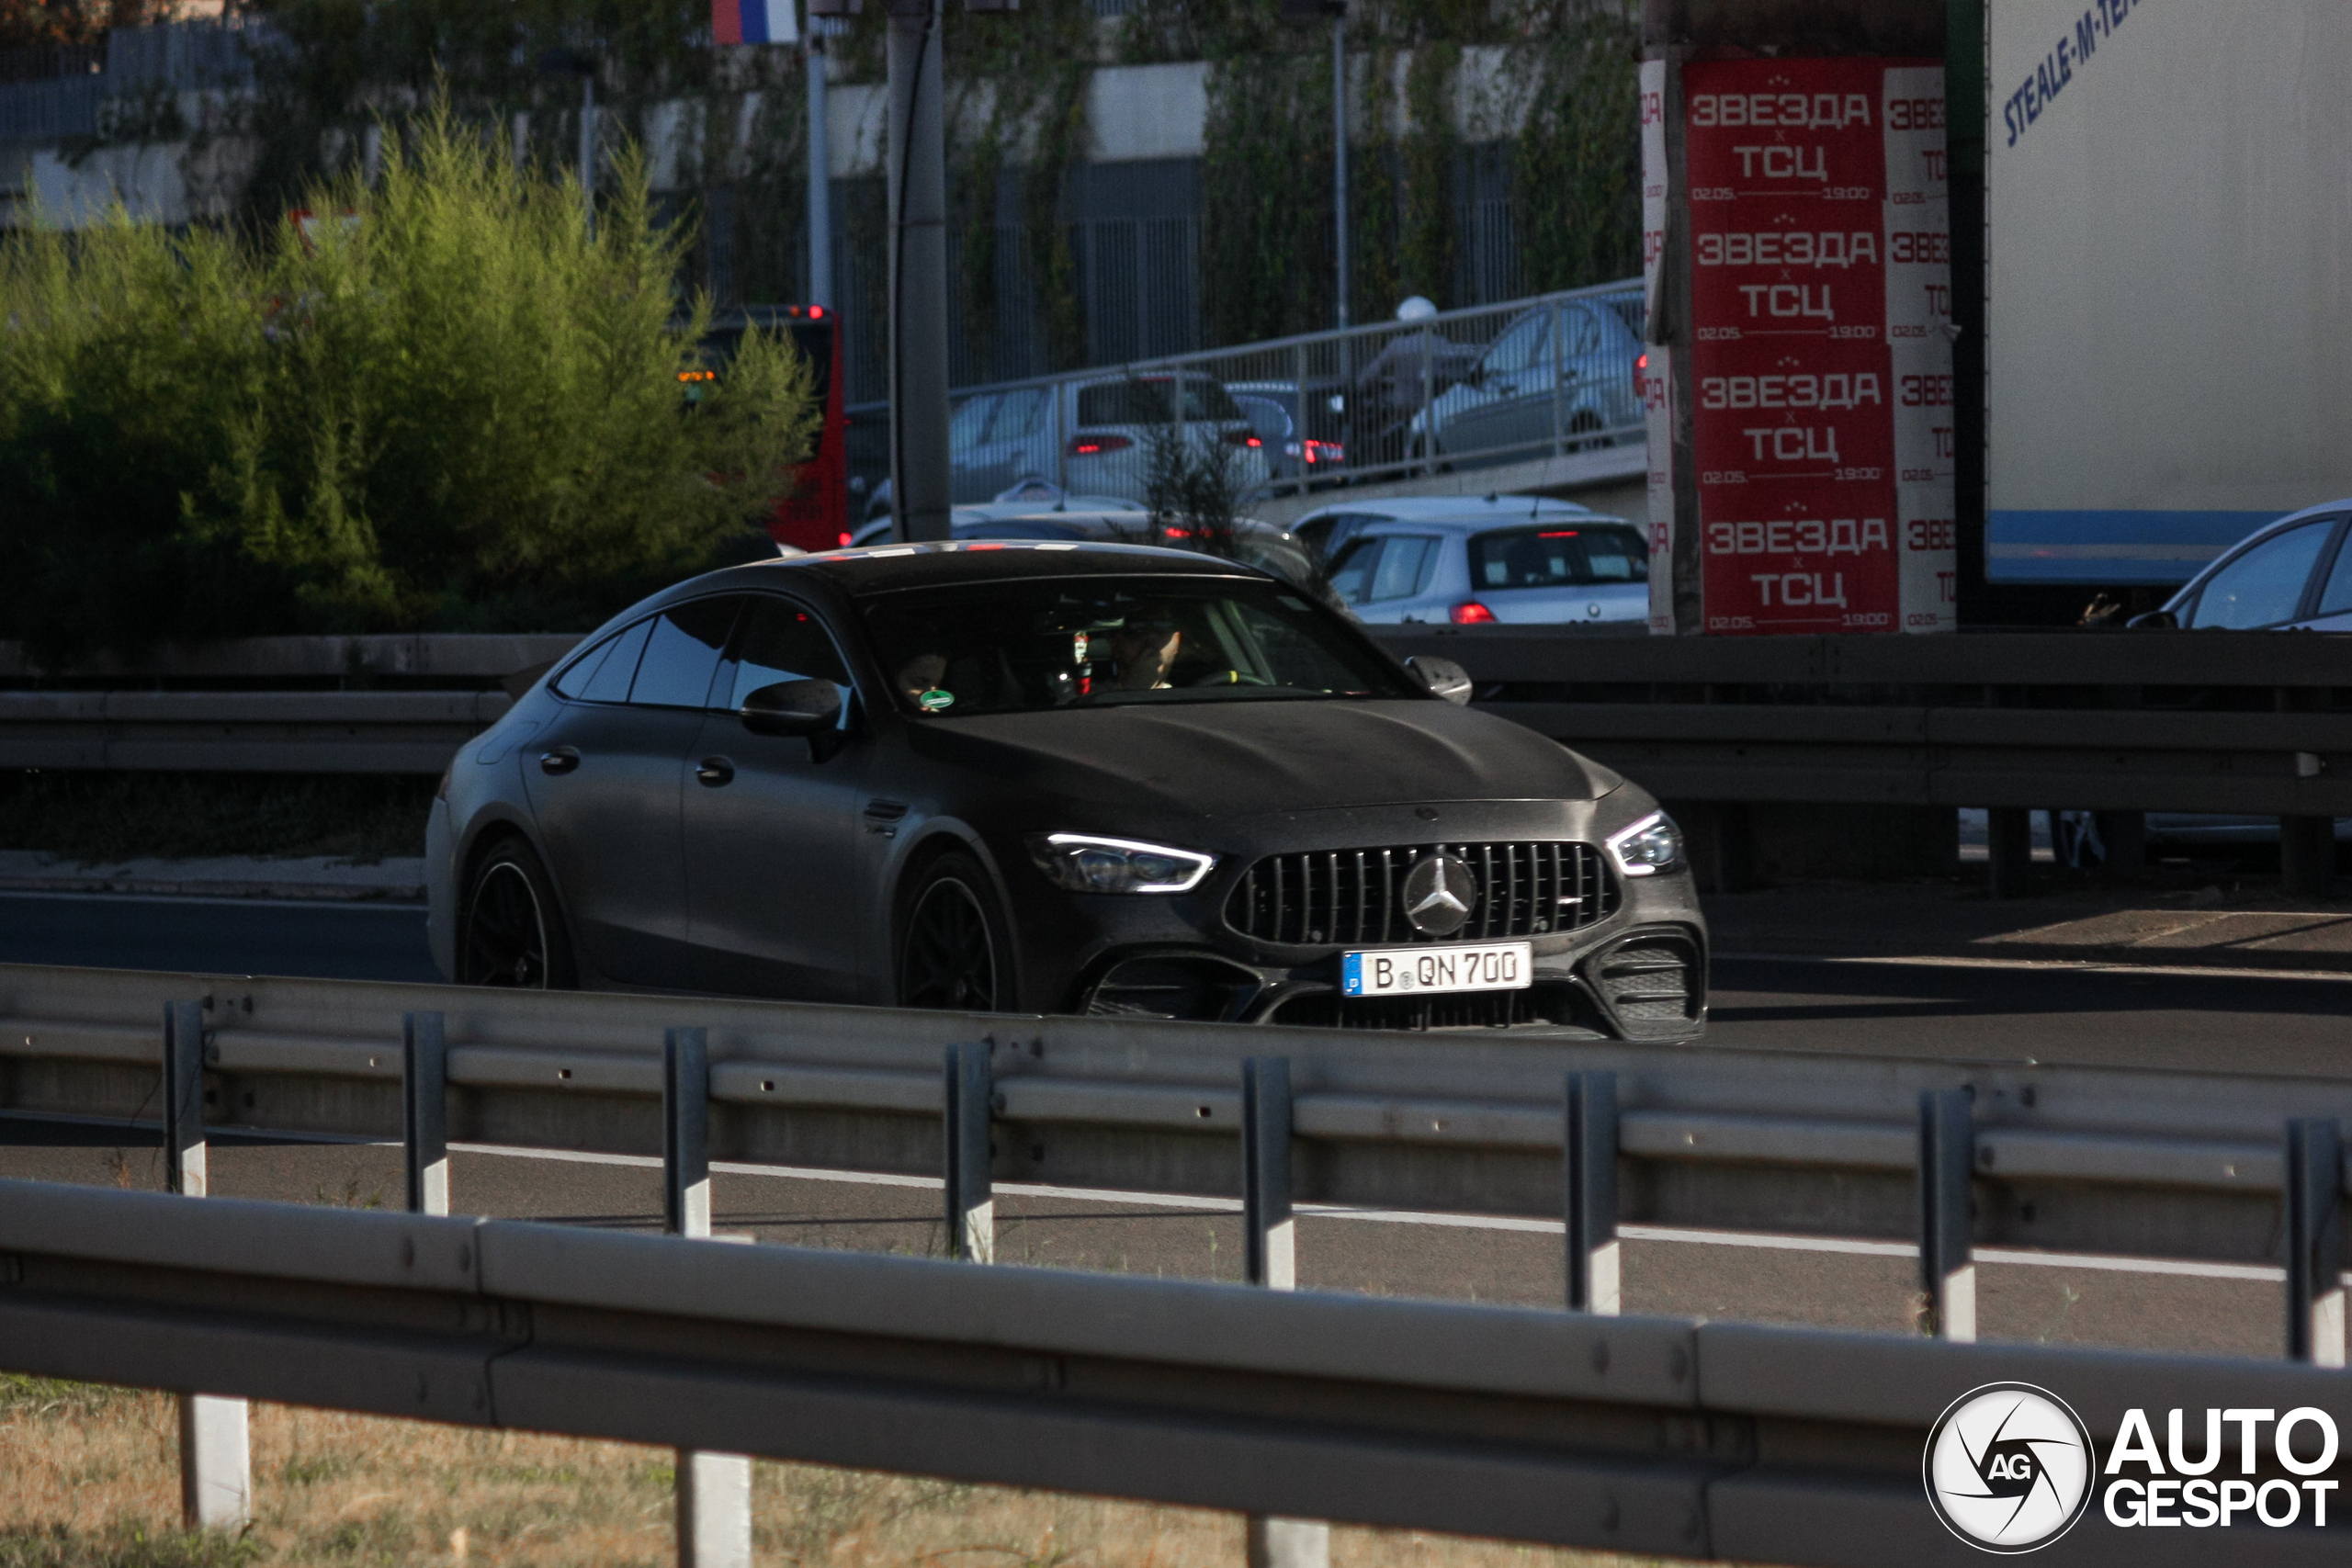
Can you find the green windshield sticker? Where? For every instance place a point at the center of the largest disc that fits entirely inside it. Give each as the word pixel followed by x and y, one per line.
pixel 935 699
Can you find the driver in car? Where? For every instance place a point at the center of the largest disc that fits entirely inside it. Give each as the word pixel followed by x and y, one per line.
pixel 1144 649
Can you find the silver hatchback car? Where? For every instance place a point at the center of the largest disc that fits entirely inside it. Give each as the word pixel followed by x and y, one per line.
pixel 1509 560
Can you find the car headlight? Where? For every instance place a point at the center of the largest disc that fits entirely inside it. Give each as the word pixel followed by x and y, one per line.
pixel 1651 845
pixel 1082 863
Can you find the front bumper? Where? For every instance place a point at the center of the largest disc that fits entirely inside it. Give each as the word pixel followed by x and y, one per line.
pixel 1640 974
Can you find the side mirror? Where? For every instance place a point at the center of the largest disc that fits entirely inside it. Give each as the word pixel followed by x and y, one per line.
pixel 793 708
pixel 2153 620
pixel 1443 677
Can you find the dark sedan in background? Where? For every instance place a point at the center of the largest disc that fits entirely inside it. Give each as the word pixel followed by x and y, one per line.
pixel 1051 777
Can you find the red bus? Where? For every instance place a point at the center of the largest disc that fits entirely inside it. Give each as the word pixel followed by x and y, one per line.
pixel 815 516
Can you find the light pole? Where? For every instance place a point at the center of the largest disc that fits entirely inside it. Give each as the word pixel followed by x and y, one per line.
pixel 820 174
pixel 1337 11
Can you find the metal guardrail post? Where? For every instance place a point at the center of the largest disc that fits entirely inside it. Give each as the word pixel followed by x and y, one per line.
pixel 714 1491
pixel 215 1458
pixel 2008 850
pixel 686 1131
pixel 969 1152
pixel 2315 1204
pixel 1269 1251
pixel 183 1162
pixel 1947 1161
pixel 425 1112
pixel 1589 1160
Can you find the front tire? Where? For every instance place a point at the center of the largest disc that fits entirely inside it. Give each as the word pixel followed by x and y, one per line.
pixel 513 935
pixel 954 948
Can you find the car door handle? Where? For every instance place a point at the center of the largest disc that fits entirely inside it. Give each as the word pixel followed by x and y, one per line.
pixel 562 760
pixel 715 772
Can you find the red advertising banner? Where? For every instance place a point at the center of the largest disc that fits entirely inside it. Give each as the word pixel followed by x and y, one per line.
pixel 1817 401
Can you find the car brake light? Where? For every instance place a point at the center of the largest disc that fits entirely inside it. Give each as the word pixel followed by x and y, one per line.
pixel 1095 445
pixel 844 541
pixel 1639 365
pixel 1470 612
pixel 1242 438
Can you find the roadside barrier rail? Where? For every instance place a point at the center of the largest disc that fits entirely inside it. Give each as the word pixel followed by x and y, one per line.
pixel 266 732
pixel 1583 1428
pixel 2176 1164
pixel 1635 1435
pixel 2251 722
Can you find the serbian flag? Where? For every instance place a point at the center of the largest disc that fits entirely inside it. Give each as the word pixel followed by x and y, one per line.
pixel 754 21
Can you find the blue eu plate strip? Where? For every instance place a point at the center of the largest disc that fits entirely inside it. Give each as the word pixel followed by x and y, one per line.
pixel 1351 974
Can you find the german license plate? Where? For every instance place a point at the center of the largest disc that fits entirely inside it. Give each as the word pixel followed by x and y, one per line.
pixel 1414 971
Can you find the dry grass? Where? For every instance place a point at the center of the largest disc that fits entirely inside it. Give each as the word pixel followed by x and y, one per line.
pixel 92 1482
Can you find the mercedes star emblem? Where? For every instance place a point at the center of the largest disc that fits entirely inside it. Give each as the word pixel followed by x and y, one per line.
pixel 1440 893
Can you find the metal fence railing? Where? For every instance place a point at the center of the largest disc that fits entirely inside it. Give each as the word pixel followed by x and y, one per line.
pixel 1525 379
pixel 54 94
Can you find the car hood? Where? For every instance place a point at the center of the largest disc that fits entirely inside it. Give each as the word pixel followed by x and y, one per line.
pixel 1234 759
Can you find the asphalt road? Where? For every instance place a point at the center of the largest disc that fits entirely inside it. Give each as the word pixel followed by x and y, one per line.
pixel 2174 1018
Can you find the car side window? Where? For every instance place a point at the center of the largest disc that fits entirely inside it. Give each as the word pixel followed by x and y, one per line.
pixel 610 681
pixel 682 653
pixel 782 642
pixel 1406 567
pixel 969 425
pixel 1580 331
pixel 2336 598
pixel 1352 572
pixel 1023 414
pixel 572 680
pixel 1517 348
pixel 2264 586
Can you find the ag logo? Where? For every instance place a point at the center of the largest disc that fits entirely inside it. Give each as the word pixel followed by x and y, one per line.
pixel 2008 1467
pixel 1440 891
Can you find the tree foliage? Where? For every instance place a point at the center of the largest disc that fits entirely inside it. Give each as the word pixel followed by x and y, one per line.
pixel 434 406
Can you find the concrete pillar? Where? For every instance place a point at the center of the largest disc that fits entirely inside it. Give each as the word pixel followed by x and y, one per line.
pixel 2306 856
pixel 2008 842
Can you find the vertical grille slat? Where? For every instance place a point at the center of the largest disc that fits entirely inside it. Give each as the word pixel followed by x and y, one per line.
pixel 1356 897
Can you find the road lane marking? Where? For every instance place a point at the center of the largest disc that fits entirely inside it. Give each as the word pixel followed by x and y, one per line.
pixel 2056 965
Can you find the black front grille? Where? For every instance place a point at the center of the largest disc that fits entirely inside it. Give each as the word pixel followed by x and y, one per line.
pixel 1349 897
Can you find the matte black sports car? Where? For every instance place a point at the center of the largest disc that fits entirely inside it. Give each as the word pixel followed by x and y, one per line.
pixel 1051 777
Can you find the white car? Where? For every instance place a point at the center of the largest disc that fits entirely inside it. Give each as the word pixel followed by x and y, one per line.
pixel 1467 560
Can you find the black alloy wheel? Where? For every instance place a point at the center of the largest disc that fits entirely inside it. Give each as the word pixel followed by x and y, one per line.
pixel 512 937
pixel 951 953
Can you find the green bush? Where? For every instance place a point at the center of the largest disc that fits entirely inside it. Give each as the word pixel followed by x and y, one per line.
pixel 438 406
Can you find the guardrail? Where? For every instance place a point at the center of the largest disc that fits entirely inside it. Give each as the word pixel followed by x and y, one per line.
pixel 2158 721
pixel 1644 1436
pixel 2167 1164
pixel 287 663
pixel 288 732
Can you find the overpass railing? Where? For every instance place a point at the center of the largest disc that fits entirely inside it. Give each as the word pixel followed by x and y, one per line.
pixel 1547 378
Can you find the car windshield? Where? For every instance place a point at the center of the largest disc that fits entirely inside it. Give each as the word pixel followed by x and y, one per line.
pixel 1022 647
pixel 1558 556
